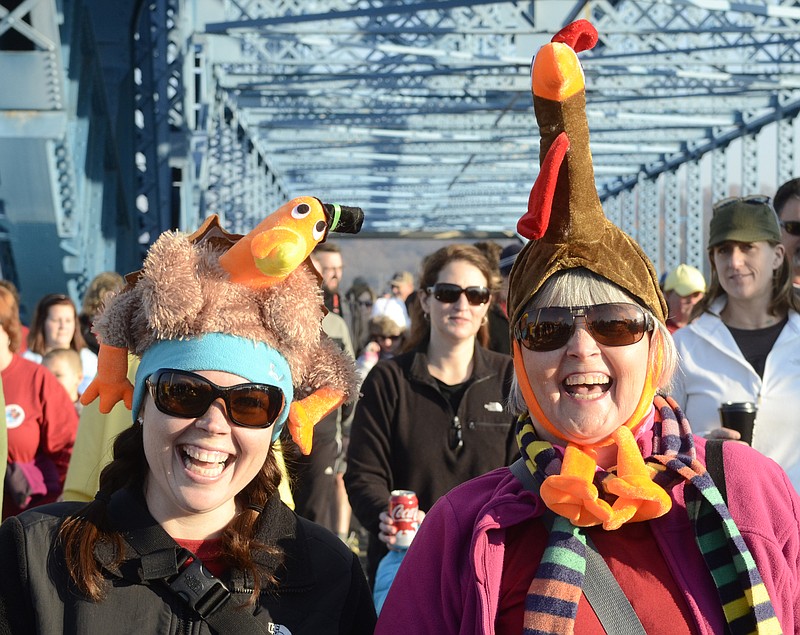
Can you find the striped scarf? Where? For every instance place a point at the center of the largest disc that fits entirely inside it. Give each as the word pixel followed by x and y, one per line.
pixel 552 601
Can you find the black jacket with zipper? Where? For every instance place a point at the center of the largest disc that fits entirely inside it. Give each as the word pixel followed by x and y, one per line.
pixel 405 435
pixel 321 588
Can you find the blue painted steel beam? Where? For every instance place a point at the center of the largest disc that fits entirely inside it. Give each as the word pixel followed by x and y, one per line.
pixel 714 141
pixel 390 8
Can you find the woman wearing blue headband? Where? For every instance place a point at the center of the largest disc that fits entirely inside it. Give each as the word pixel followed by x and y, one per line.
pixel 187 532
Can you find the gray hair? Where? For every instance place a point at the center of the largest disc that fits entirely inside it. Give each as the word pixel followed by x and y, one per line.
pixel 581 287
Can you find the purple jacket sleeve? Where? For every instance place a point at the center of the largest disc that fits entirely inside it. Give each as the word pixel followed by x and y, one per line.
pixel 427 591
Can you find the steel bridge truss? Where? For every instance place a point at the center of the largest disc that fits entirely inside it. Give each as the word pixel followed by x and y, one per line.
pixel 420 111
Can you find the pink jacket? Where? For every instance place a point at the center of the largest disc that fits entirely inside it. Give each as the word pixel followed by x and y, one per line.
pixel 449 581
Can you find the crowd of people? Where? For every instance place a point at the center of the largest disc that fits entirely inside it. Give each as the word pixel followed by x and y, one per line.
pixel 554 405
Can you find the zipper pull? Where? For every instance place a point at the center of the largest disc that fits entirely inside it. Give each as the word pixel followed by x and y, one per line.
pixel 456 435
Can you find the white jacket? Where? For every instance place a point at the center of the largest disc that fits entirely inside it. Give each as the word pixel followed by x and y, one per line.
pixel 713 370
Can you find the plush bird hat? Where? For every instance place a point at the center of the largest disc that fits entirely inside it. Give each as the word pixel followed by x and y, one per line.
pixel 249 305
pixel 567 229
pixel 565 222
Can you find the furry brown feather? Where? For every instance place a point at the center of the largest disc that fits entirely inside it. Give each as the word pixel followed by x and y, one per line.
pixel 183 292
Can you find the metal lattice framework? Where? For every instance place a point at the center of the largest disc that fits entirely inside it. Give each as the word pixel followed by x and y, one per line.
pixel 420 111
pixel 63 198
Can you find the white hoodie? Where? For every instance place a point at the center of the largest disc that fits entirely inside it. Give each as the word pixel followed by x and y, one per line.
pixel 713 370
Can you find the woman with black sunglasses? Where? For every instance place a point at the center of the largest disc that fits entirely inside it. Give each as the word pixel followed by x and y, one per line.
pixel 609 522
pixel 187 533
pixel 433 416
pixel 743 344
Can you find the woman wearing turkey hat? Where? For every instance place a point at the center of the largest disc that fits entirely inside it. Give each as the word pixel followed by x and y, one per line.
pixel 609 464
pixel 187 533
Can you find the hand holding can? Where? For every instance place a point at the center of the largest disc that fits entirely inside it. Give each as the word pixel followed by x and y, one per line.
pixel 403 511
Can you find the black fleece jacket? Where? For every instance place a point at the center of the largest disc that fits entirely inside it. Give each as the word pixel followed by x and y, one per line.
pixel 405 435
pixel 321 587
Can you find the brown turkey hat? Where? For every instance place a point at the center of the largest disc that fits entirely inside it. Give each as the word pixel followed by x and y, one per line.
pixel 565 222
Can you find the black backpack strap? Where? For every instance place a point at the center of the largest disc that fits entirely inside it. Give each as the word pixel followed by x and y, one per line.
pixel 600 587
pixel 164 562
pixel 715 465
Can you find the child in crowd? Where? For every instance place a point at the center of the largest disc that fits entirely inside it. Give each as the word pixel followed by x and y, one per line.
pixel 65 364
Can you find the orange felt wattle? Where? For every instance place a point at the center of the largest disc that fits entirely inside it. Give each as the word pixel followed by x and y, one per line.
pixel 306 413
pixel 111 383
pixel 572 494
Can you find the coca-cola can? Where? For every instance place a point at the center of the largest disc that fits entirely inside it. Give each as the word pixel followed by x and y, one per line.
pixel 403 506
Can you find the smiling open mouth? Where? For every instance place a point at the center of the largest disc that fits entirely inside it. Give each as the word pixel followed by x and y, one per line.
pixel 587 386
pixel 203 462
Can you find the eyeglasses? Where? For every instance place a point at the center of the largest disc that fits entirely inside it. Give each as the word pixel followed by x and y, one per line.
pixel 791 227
pixel 365 303
pixel 613 324
pixel 449 293
pixel 183 394
pixel 755 199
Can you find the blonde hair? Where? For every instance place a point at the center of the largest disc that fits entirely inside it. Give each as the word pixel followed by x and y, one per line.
pixel 69 355
pixel 103 284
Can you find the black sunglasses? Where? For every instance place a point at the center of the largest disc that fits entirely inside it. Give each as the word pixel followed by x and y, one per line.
pixel 791 227
pixel 446 292
pixel 183 394
pixel 613 324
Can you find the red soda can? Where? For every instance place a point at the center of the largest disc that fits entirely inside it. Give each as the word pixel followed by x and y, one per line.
pixel 403 506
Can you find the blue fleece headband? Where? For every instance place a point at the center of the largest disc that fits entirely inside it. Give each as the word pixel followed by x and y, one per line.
pixel 255 361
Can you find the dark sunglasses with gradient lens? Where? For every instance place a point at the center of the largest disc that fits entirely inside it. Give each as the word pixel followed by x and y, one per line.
pixel 791 227
pixel 613 324
pixel 180 393
pixel 449 293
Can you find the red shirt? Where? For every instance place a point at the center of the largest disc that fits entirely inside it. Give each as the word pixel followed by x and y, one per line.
pixel 632 554
pixel 41 420
pixel 209 552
